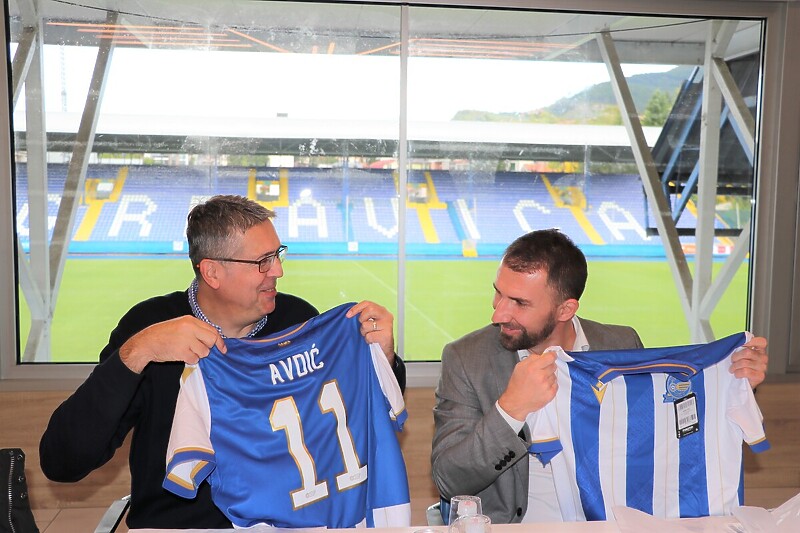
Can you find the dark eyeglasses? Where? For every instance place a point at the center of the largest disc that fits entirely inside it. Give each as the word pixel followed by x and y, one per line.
pixel 264 264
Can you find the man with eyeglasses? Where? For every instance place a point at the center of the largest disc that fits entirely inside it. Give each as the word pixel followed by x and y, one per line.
pixel 237 259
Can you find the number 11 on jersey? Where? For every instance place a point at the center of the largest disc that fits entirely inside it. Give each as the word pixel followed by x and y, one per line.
pixel 285 416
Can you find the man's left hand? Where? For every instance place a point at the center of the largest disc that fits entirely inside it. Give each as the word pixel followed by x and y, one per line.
pixel 751 361
pixel 377 325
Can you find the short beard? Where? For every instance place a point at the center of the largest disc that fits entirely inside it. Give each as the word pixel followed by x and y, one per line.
pixel 527 339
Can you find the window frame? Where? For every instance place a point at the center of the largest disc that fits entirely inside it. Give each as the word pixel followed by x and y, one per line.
pixel 777 159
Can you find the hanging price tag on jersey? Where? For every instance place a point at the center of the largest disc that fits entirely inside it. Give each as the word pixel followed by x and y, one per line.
pixel 686 419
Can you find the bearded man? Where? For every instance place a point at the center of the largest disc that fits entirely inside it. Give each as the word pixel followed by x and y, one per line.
pixel 494 377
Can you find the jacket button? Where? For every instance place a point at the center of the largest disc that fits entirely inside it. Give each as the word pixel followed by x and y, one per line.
pixel 498 467
pixel 519 511
pixel 511 454
pixel 503 462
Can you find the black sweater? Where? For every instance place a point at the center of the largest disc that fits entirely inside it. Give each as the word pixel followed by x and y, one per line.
pixel 85 431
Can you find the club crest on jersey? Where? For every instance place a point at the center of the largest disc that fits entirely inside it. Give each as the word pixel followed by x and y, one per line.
pixel 676 389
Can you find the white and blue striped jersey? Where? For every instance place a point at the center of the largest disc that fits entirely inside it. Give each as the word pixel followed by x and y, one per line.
pixel 294 430
pixel 612 431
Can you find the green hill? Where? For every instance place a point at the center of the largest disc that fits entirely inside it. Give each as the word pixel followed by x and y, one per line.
pixel 593 105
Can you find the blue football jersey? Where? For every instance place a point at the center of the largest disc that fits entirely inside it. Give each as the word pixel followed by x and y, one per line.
pixel 294 430
pixel 659 430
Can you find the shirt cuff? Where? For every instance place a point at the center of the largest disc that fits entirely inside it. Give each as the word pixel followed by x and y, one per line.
pixel 515 424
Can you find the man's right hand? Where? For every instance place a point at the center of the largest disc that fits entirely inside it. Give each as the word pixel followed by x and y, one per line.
pixel 532 385
pixel 185 338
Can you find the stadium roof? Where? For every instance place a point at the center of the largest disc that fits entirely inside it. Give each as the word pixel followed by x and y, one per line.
pixel 520 141
pixel 503 33
pixel 367 29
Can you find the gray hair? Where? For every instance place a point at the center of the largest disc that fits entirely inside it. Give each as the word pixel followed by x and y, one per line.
pixel 214 225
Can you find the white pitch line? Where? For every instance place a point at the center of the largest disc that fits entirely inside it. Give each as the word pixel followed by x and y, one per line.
pixel 410 305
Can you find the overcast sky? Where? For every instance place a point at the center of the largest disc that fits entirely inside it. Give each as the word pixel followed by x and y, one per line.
pixel 242 84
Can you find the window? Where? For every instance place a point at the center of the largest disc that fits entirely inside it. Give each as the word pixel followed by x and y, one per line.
pixel 402 147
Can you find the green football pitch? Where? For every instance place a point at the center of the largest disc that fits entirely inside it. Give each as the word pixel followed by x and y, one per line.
pixel 443 299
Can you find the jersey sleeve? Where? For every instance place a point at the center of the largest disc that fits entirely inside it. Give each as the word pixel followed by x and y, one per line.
pixel 744 412
pixel 190 455
pixel 391 390
pixel 545 443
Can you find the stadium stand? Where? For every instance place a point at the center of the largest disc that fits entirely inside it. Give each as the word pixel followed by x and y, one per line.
pixel 329 211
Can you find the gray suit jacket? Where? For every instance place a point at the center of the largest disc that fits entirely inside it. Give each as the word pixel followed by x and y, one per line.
pixel 474 450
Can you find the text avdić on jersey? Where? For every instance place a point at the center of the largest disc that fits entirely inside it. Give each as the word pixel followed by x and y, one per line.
pixel 296 366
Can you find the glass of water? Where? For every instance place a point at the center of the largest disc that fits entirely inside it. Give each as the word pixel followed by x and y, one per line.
pixel 474 523
pixel 464 506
